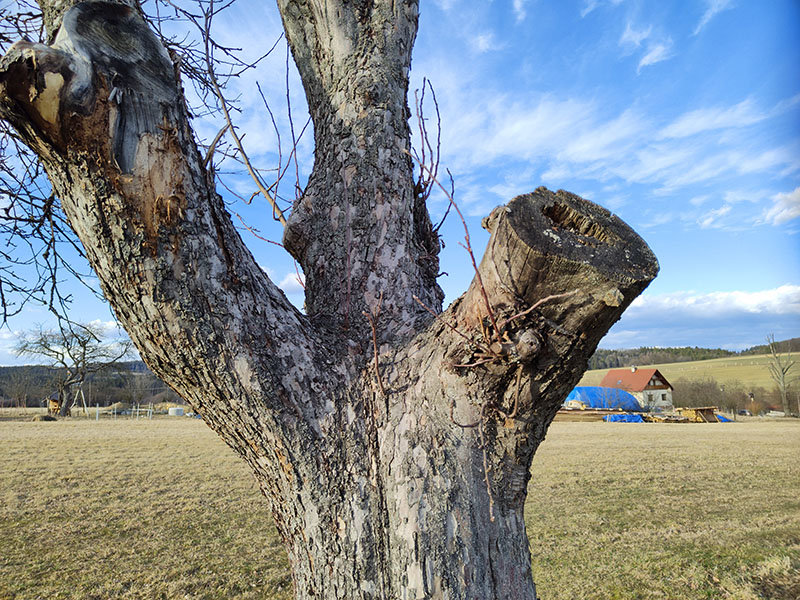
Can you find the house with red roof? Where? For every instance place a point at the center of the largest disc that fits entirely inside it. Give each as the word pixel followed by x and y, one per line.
pixel 649 386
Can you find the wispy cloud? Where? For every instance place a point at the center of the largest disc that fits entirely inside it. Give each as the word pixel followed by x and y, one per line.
pixel 606 140
pixel 785 157
pixel 785 207
pixel 634 37
pixel 519 10
pixel 712 218
pixel 656 53
pixel 719 117
pixel 590 5
pixel 657 46
pixel 561 140
pixel 445 4
pixel 485 42
pixel 713 8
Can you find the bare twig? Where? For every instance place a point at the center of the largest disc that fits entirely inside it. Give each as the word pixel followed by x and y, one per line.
pixel 486 466
pixel 514 409
pixel 299 277
pixel 255 232
pixel 427 155
pixel 213 145
pixel 451 327
pixel 477 363
pixel 536 305
pixel 467 246
pixel 449 204
pixel 206 29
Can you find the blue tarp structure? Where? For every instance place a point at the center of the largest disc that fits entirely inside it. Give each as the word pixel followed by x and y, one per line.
pixel 722 419
pixel 623 419
pixel 603 397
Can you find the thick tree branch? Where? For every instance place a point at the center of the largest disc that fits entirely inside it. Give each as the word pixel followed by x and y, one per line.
pixel 358 221
pixel 158 237
pixel 558 271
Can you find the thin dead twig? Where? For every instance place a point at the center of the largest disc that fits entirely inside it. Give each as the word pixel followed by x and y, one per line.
pixel 537 304
pixel 255 232
pixel 467 246
pixel 213 145
pixel 206 32
pixel 451 327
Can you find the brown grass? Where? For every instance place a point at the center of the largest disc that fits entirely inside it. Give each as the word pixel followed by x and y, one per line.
pixel 162 509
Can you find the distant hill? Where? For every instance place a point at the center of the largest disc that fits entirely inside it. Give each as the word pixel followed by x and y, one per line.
pixel 129 381
pixel 645 356
pixel 749 371
pixel 792 345
pixel 615 359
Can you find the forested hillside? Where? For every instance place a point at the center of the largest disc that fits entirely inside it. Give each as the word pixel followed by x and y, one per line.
pixel 125 382
pixel 613 359
pixel 792 345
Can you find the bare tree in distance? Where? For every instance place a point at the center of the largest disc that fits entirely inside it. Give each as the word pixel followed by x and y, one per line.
pixel 392 440
pixel 76 352
pixel 779 367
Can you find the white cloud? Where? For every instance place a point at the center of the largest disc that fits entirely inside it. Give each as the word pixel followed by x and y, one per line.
pixel 712 218
pixel 732 319
pixel 590 5
pixel 519 9
pixel 783 300
pixel 606 140
pixel 787 157
pixel 106 327
pixel 706 119
pixel 445 4
pixel 633 37
pixel 292 283
pixel 7 334
pixel 713 8
pixel 568 137
pixel 485 42
pixel 658 220
pixel 656 53
pixel 785 207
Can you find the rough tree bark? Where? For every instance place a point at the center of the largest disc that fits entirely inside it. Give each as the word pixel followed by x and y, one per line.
pixel 395 466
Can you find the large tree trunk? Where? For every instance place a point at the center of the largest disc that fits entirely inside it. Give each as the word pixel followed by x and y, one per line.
pixel 395 458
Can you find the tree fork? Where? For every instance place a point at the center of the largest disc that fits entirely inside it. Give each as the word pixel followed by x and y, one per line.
pixel 394 448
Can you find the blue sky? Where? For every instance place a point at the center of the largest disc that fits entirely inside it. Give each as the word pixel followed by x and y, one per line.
pixel 681 117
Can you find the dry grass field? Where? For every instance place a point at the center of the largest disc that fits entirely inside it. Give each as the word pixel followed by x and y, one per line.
pixel 162 509
pixel 750 371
